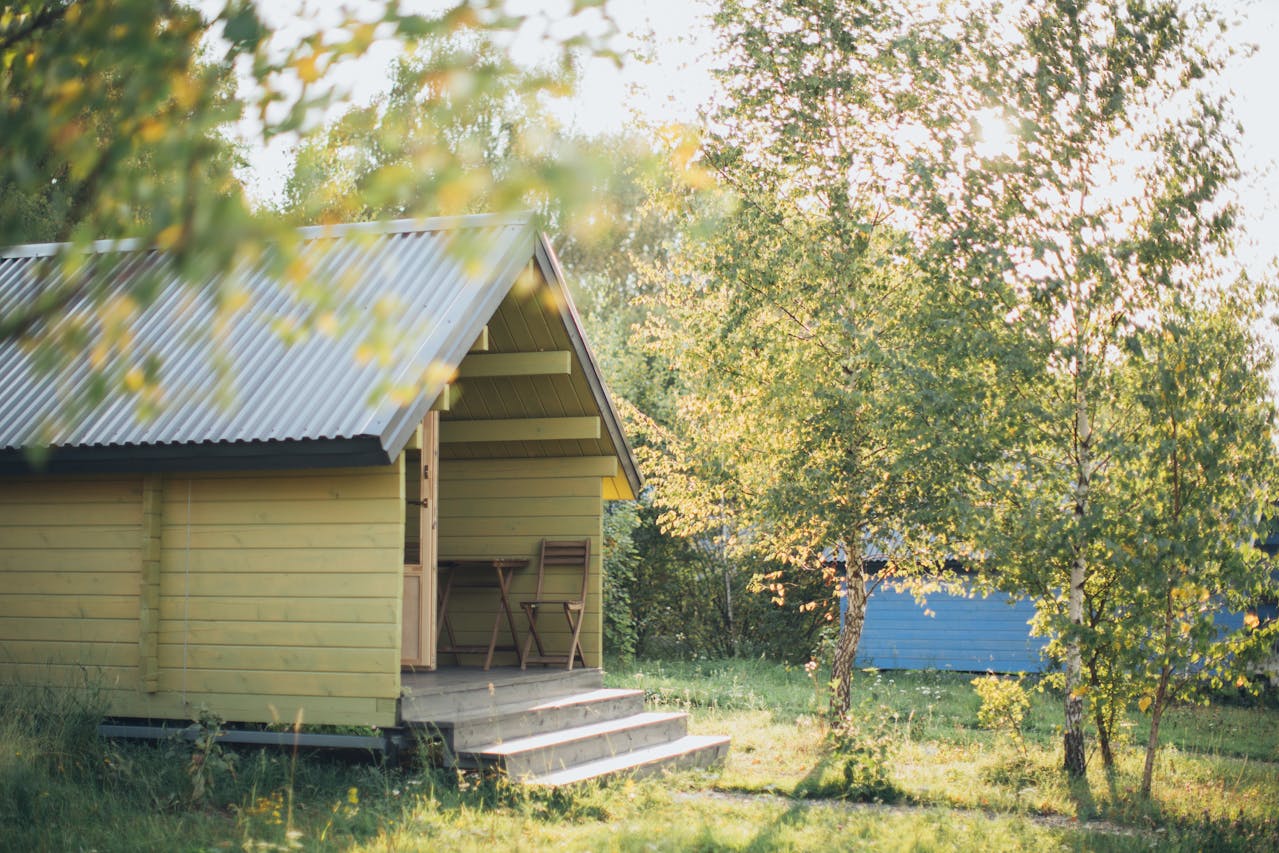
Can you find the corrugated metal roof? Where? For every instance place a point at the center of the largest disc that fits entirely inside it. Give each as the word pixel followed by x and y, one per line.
pixel 433 303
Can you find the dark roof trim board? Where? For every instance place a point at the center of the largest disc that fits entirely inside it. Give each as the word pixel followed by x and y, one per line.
pixel 220 456
pixel 309 405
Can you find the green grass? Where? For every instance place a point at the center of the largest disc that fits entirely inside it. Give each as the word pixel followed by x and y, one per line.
pixel 1217 775
pixel 954 785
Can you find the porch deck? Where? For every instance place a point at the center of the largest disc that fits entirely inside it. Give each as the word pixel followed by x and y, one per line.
pixel 432 698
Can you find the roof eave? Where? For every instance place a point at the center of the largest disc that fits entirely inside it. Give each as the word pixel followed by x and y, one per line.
pixel 291 454
pixel 401 426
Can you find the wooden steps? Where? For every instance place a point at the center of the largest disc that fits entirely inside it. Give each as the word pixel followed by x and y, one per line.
pixel 684 753
pixel 523 719
pixel 556 728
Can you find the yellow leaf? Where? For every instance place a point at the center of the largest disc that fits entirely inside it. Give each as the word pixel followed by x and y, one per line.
pixel 151 130
pixel 185 91
pixel 698 178
pixel 362 36
pixel 168 237
pixel 234 300
pixel 71 88
pixel 134 379
pixel 306 69
pixel 1144 703
pixel 1250 620
pixel 298 270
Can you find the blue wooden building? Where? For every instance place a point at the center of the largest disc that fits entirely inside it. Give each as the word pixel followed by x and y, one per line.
pixel 948 631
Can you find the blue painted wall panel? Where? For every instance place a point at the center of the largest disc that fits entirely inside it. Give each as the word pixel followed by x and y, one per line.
pixel 963 634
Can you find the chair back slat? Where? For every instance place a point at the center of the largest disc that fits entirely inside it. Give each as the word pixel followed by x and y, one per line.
pixel 576 554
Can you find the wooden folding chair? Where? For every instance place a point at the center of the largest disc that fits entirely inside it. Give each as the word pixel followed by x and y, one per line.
pixel 558 555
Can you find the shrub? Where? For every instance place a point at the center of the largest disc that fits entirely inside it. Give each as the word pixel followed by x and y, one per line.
pixel 1004 704
pixel 863 744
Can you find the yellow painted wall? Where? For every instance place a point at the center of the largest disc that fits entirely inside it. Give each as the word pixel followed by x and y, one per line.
pixel 505 509
pixel 279 592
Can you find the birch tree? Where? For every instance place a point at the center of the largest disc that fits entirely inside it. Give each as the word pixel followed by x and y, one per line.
pixel 1058 252
pixel 786 323
pixel 1199 488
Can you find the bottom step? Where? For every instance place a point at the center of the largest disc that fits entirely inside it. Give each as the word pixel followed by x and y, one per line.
pixel 688 751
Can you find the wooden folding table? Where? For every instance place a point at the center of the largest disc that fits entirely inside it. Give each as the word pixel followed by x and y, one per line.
pixel 475 574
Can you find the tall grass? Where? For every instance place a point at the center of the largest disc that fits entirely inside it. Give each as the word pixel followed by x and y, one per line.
pixel 959 786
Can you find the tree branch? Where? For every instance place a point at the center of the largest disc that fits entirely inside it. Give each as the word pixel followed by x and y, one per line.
pixel 46 17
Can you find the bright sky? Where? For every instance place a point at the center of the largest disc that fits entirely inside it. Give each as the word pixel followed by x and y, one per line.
pixel 675 80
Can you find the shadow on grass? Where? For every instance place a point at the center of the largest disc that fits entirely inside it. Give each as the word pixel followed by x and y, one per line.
pixel 839 776
pixel 1081 796
pixel 1203 831
pixel 771 837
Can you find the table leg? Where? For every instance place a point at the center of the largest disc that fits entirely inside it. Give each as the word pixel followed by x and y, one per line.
pixel 510 617
pixel 444 617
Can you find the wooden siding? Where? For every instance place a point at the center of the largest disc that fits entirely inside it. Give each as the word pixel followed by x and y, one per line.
pixel 71 558
pixel 964 634
pixel 276 595
pixel 492 509
pixel 968 634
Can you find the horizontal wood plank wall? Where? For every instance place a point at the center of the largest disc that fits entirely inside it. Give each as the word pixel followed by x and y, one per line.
pixel 489 510
pixel 965 634
pixel 279 592
pixel 70 570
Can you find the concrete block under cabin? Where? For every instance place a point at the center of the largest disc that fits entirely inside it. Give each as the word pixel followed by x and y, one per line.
pixel 269 545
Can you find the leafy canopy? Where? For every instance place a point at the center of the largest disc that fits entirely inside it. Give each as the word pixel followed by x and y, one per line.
pixel 116 118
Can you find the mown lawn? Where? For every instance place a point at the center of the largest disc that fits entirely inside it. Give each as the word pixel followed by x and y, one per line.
pixel 952 784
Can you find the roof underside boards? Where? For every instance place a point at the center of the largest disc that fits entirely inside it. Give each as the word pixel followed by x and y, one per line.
pixel 531 323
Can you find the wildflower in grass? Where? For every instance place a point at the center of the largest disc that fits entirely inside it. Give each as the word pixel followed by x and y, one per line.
pixel 353 796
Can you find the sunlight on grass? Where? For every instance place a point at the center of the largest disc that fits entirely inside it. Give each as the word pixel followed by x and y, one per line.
pixel 953 784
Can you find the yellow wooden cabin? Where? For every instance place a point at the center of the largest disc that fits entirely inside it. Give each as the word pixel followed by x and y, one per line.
pixel 266 545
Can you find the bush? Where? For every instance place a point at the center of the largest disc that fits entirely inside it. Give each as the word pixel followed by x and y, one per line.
pixel 621 575
pixel 1004 704
pixel 863 744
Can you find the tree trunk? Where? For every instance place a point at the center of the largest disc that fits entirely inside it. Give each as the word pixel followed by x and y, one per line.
pixel 1103 739
pixel 850 635
pixel 1152 742
pixel 726 570
pixel 1073 736
pixel 728 609
pixel 1103 714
